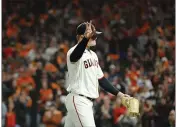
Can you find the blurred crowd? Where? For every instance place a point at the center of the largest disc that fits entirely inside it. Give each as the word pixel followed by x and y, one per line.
pixel 136 53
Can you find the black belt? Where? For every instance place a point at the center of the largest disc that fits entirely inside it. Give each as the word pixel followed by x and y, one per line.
pixel 91 99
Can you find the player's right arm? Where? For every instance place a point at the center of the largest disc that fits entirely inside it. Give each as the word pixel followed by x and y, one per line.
pixel 80 48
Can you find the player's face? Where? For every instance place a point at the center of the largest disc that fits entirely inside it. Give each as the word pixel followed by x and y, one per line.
pixel 92 41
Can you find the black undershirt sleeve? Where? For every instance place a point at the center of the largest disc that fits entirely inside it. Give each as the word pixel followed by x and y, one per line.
pixel 79 50
pixel 107 86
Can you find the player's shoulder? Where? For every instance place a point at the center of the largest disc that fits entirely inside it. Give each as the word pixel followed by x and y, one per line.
pixel 71 49
pixel 93 53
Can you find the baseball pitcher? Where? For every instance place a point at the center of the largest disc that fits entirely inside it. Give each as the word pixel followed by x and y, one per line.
pixel 85 76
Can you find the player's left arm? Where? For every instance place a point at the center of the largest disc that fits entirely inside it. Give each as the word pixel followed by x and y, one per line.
pixel 107 86
pixel 126 100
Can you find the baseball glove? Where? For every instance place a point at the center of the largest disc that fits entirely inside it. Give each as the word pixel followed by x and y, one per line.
pixel 132 105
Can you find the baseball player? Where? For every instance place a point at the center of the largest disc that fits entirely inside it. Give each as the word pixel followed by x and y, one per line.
pixel 85 76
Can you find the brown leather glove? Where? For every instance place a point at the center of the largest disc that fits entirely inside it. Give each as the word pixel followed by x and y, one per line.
pixel 132 105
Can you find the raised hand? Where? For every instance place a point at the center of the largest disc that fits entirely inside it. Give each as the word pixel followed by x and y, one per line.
pixel 88 32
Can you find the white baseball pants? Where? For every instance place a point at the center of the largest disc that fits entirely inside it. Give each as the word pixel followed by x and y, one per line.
pixel 80 111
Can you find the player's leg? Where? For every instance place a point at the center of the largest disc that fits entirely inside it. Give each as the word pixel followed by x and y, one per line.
pixel 68 121
pixel 80 113
pixel 83 112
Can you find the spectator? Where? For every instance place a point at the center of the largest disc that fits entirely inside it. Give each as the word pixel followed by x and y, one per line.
pixel 106 111
pixel 171 118
pixel 22 109
pixel 118 110
pixel 126 121
pixel 52 117
pixel 10 116
pixel 147 117
pixel 25 81
pixel 4 112
pixel 162 110
pixel 45 92
pixel 60 105
pixel 97 110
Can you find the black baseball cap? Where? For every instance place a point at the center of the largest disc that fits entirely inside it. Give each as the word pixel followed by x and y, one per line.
pixel 82 27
